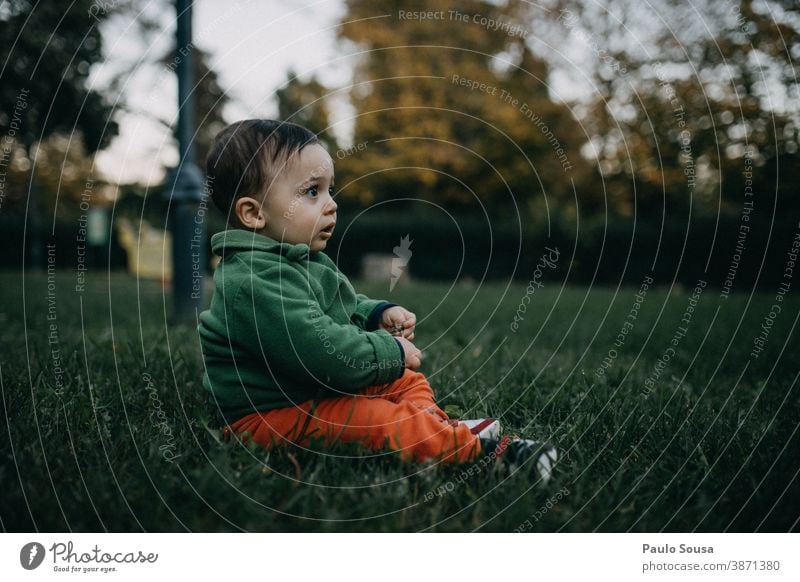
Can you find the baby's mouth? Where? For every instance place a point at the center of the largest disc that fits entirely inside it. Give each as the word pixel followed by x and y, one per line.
pixel 328 229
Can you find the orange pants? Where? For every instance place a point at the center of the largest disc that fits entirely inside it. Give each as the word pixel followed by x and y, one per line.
pixel 402 416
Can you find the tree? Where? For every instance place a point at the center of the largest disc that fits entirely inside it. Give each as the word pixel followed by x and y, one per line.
pixel 688 97
pixel 210 100
pixel 455 109
pixel 46 53
pixel 304 103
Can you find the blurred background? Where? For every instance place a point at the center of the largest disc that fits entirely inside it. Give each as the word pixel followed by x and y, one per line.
pixel 635 138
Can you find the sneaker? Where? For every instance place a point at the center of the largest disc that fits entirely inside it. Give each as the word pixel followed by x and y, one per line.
pixel 515 453
pixel 483 428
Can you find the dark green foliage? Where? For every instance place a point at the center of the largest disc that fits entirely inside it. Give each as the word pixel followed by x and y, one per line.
pixel 48 51
pixel 593 251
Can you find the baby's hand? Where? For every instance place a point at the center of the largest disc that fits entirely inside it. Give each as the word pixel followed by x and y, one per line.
pixel 399 321
pixel 413 354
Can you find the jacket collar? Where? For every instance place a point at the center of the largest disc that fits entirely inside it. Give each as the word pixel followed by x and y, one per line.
pixel 235 239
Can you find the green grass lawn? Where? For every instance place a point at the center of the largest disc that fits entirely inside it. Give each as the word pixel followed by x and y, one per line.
pixel 702 436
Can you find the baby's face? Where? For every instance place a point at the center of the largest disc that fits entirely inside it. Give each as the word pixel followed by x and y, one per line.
pixel 300 206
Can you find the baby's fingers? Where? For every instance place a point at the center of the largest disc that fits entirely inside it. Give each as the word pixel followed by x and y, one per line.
pixel 406 331
pixel 397 329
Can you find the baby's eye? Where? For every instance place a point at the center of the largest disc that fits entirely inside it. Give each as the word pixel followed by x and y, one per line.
pixel 331 190
pixel 312 191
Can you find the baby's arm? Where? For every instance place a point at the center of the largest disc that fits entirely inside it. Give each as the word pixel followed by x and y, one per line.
pixel 372 314
pixel 368 312
pixel 399 321
pixel 283 321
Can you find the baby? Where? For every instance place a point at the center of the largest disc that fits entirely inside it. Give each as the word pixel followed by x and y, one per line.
pixel 291 351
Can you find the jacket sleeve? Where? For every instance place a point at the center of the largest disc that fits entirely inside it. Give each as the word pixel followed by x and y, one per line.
pixel 368 312
pixel 280 314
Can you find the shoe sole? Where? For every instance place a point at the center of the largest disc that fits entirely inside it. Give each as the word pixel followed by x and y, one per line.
pixel 485 428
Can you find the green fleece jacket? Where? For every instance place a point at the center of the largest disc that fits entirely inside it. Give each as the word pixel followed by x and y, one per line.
pixel 286 326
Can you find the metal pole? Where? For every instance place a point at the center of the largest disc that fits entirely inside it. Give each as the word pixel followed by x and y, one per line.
pixel 185 73
pixel 186 186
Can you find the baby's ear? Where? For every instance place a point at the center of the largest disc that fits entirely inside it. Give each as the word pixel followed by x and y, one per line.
pixel 251 213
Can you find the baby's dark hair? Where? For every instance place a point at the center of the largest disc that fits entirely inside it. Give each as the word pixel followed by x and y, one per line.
pixel 246 157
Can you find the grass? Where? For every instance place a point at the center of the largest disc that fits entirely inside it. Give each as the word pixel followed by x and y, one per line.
pixel 126 442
